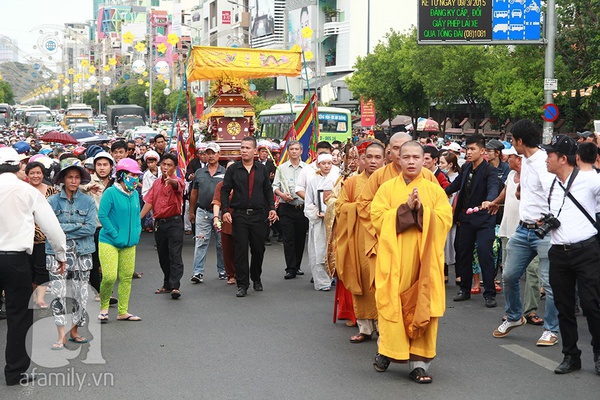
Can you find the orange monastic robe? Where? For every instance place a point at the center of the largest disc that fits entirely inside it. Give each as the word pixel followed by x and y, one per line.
pixel 399 257
pixel 352 263
pixel 367 195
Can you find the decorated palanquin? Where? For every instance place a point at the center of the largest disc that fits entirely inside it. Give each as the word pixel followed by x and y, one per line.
pixel 231 117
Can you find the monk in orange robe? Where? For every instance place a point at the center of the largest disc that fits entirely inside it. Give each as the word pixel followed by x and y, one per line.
pixel 411 217
pixel 352 263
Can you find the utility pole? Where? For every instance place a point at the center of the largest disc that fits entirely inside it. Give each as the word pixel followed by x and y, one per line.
pixel 549 63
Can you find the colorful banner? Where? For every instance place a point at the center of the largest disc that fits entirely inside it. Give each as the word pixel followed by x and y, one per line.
pixel 305 130
pixel 181 153
pixel 367 113
pixel 191 141
pixel 211 63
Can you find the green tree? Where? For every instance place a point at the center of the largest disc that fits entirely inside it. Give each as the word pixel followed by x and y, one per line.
pixel 6 93
pixel 578 45
pixel 120 94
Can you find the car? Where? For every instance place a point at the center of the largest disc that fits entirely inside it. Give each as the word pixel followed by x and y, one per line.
pixel 144 132
pixel 522 2
pixel 516 13
pixel 83 127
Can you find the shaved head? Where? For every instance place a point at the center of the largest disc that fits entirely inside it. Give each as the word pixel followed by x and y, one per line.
pixel 396 141
pixel 413 144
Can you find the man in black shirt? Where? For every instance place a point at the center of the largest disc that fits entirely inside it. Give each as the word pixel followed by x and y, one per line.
pixel 252 197
pixel 478 185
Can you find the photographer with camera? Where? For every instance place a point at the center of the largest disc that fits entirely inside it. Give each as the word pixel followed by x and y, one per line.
pixel 575 252
pixel 524 245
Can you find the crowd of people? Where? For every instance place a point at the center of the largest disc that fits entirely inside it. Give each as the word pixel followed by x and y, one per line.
pixel 384 223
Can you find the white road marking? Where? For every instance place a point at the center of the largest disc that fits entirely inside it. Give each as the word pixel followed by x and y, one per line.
pixel 531 356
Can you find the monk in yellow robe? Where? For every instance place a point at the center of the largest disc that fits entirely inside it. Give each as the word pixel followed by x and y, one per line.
pixel 376 179
pixel 411 217
pixel 352 263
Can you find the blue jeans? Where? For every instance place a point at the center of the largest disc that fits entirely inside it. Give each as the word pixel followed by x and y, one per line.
pixel 204 229
pixel 521 248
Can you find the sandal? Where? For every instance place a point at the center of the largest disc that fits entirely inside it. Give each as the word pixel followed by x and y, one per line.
pixel 103 318
pixel 58 345
pixel 381 363
pixel 534 319
pixel 361 337
pixel 78 339
pixel 476 290
pixel 130 317
pixel 162 290
pixel 419 375
pixel 175 294
pixel 137 275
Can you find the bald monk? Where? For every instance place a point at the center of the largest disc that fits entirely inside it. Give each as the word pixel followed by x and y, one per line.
pixel 351 260
pixel 411 217
pixel 378 177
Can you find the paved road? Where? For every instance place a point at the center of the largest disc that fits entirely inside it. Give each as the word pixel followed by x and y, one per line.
pixel 281 344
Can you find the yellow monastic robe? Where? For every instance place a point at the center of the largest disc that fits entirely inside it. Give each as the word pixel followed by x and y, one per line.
pixel 398 260
pixel 376 179
pixel 352 262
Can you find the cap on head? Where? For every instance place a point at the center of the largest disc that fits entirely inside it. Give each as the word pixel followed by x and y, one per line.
pixel 494 144
pixel 151 154
pixel 563 144
pixel 452 146
pixel 9 156
pixel 511 151
pixel 213 146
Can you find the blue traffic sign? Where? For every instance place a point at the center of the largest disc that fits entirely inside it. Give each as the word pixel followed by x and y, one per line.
pixel 516 20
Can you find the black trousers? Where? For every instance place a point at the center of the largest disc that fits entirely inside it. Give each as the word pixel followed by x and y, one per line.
pixel 469 232
pixel 248 229
pixel 570 269
pixel 37 265
pixel 15 278
pixel 294 226
pixel 169 244
pixel 95 271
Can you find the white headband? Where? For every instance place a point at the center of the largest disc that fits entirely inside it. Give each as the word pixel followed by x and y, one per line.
pixel 323 157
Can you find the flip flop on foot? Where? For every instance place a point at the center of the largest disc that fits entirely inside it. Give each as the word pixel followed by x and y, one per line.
pixel 57 346
pixel 78 339
pixel 361 337
pixel 175 294
pixel 419 375
pixel 129 317
pixel 103 318
pixel 162 290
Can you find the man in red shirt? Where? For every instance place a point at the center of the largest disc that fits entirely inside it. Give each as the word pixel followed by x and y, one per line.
pixel 430 161
pixel 165 197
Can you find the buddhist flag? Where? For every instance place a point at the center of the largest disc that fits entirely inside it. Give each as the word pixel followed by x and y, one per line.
pixel 191 142
pixel 305 130
pixel 181 153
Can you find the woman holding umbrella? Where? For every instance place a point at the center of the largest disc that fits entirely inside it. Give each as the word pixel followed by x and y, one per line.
pixel 76 213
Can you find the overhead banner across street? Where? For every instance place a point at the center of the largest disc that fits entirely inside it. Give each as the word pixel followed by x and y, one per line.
pixel 208 63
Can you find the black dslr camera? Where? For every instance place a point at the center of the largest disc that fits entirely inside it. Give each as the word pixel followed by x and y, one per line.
pixel 549 222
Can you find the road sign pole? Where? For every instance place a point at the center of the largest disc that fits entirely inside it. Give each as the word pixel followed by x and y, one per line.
pixel 549 65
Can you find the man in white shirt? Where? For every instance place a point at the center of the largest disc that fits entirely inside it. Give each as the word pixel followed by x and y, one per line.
pixel 524 245
pixel 575 252
pixel 24 207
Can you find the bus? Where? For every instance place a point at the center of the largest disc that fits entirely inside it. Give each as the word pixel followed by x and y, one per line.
pixel 34 114
pixel 334 123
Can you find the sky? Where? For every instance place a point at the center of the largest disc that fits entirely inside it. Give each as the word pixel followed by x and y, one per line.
pixel 21 19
